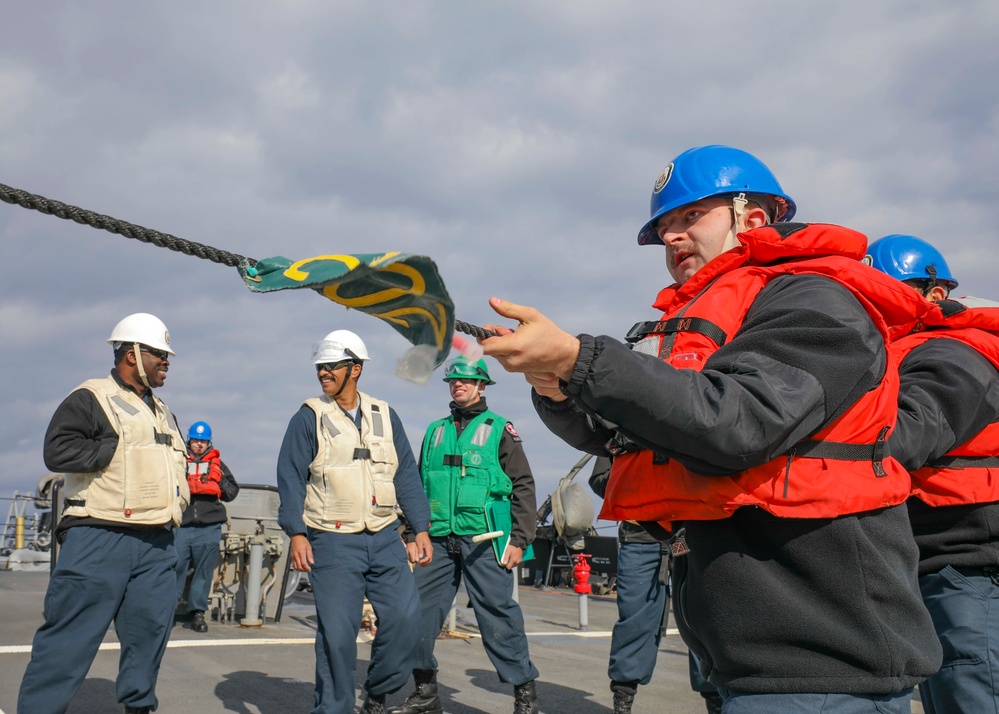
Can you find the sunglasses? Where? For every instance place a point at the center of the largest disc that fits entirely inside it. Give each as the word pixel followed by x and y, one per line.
pixel 334 366
pixel 158 354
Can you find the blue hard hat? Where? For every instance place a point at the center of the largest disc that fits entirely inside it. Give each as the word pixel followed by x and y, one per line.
pixel 707 171
pixel 909 258
pixel 200 430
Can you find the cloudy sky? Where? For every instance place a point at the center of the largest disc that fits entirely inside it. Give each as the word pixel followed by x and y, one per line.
pixel 515 143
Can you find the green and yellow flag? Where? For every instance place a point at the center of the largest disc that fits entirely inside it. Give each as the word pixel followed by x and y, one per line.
pixel 404 290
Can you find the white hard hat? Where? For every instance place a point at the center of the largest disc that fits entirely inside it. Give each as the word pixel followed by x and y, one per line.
pixel 143 328
pixel 339 345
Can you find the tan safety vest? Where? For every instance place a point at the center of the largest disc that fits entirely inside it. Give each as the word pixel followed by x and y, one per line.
pixel 146 481
pixel 352 479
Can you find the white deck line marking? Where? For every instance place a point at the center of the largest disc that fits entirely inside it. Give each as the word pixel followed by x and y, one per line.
pixel 114 646
pixel 598 633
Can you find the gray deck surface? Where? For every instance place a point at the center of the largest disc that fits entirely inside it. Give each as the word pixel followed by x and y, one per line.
pixel 269 670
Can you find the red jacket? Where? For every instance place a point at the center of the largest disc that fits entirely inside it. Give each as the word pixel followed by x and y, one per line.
pixel 204 473
pixel 843 469
pixel 968 473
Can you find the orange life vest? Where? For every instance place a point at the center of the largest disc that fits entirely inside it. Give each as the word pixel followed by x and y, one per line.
pixel 204 475
pixel 843 468
pixel 968 473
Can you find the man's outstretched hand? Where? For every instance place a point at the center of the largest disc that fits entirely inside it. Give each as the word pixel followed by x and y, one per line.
pixel 538 347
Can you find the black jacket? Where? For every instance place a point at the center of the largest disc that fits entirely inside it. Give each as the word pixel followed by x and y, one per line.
pixel 769 604
pixel 948 394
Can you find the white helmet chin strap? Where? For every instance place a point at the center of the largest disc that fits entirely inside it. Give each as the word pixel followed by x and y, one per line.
pixel 739 203
pixel 138 363
pixel 738 209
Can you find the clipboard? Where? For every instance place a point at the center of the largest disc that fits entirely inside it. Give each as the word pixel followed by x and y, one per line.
pixel 498 518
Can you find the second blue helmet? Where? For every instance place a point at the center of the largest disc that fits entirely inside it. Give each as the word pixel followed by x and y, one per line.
pixel 905 257
pixel 707 171
pixel 200 430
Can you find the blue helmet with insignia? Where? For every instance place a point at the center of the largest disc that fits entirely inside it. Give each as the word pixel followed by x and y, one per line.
pixel 905 257
pixel 200 430
pixel 709 171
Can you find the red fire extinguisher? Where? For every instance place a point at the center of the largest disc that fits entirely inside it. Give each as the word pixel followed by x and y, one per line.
pixel 581 573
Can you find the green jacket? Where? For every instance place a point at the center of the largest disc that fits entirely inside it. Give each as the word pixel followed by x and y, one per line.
pixel 461 474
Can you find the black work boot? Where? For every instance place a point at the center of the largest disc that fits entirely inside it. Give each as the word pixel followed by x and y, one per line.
pixel 623 702
pixel 373 704
pixel 624 696
pixel 525 698
pixel 137 710
pixel 425 699
pixel 198 623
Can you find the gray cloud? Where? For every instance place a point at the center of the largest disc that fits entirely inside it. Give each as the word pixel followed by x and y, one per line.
pixel 516 144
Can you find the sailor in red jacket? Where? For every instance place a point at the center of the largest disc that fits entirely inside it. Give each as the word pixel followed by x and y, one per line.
pixel 948 437
pixel 200 533
pixel 756 412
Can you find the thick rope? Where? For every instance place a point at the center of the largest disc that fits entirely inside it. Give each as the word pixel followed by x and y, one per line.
pixel 84 217
pixel 474 330
pixel 122 228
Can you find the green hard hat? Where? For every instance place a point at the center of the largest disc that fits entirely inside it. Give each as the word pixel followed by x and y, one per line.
pixel 464 368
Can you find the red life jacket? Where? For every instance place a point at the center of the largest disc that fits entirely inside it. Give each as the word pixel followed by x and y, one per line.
pixel 843 468
pixel 204 474
pixel 968 473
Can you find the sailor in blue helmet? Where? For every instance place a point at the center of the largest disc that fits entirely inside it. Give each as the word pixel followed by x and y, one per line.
pixel 755 413
pixel 948 437
pixel 200 533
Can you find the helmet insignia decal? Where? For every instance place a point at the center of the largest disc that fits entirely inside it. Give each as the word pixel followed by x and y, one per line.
pixel 663 179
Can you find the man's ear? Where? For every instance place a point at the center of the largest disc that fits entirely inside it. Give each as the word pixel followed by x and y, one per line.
pixel 937 293
pixel 754 217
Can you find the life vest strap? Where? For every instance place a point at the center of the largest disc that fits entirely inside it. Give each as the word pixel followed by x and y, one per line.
pixel 876 453
pixel 677 324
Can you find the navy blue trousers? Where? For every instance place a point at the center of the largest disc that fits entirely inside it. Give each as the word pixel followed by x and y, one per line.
pixel 197 546
pixel 964 607
pixel 641 601
pixel 490 590
pixel 103 576
pixel 348 567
